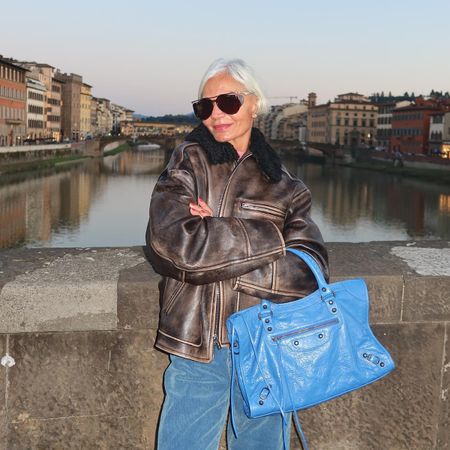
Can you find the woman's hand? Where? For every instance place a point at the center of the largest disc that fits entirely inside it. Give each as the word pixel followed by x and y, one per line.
pixel 201 209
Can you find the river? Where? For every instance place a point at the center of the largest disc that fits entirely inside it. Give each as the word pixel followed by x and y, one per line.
pixel 104 203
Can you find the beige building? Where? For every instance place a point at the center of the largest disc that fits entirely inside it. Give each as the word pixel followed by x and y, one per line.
pixel 350 120
pixel 52 110
pixel 290 122
pixel 119 115
pixel 286 122
pixel 439 134
pixel 85 111
pixel 36 104
pixel 446 135
pixel 71 98
pixel 94 124
pixel 104 117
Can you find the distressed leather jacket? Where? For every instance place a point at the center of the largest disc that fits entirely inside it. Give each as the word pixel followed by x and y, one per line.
pixel 217 265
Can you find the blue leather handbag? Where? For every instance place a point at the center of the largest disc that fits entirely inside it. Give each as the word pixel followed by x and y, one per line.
pixel 294 355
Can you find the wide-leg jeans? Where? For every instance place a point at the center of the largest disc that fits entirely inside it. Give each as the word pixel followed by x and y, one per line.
pixel 196 406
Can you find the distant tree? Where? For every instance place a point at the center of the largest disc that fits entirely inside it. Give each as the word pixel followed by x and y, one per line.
pixel 406 95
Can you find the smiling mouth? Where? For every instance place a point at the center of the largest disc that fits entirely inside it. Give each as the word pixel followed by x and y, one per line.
pixel 221 127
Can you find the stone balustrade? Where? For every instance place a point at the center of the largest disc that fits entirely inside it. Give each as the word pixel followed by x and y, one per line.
pixel 79 370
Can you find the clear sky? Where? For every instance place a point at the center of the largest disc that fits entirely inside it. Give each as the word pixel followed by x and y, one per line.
pixel 150 55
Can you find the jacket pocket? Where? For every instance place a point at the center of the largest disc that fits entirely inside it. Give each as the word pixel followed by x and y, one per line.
pixel 189 314
pixel 171 293
pixel 262 208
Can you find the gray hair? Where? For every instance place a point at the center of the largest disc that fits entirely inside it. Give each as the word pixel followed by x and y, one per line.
pixel 241 72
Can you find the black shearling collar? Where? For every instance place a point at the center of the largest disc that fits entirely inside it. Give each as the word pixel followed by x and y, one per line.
pixel 221 152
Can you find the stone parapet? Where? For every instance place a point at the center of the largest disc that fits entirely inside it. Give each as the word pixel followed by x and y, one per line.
pixel 79 325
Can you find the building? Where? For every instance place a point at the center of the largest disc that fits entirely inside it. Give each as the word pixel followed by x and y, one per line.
pixel 85 111
pixel 104 117
pixel 384 122
pixel 71 101
pixel 446 136
pixel 119 115
pixel 94 124
pixel 13 92
pixel 136 129
pixel 439 135
pixel 287 121
pixel 290 124
pixel 52 109
pixel 36 103
pixel 129 115
pixel 411 126
pixel 349 121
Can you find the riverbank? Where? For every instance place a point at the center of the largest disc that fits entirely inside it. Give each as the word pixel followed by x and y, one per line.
pixel 22 166
pixel 433 175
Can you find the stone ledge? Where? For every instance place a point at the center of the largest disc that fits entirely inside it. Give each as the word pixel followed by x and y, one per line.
pixel 109 289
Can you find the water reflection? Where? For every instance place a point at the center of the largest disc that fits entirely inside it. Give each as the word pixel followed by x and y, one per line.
pixel 79 205
pixel 360 205
pixel 104 203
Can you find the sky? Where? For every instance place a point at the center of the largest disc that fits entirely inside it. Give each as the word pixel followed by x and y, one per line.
pixel 150 55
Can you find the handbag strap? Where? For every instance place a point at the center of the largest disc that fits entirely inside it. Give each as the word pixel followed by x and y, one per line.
pixel 294 411
pixel 324 288
pixel 235 350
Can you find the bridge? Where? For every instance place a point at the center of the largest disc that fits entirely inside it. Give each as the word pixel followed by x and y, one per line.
pixel 330 150
pixel 79 370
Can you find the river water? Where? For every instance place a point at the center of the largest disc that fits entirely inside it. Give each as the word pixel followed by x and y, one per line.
pixel 102 203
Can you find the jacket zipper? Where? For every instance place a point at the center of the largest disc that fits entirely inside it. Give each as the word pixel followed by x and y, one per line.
pixel 216 339
pixel 225 191
pixel 262 208
pixel 216 336
pixel 303 330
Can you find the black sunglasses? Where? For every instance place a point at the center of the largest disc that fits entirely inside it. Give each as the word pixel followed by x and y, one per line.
pixel 228 103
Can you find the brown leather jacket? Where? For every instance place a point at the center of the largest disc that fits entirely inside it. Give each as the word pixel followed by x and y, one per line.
pixel 217 265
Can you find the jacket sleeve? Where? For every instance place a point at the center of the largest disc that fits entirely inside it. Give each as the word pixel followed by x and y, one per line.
pixel 199 251
pixel 288 277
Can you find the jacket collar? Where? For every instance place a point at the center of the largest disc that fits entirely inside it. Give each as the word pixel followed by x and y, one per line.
pixel 221 152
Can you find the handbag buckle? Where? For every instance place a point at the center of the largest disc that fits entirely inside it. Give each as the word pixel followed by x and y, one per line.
pixel 264 310
pixel 263 315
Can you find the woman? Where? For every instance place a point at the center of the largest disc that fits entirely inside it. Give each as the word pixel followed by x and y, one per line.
pixel 221 217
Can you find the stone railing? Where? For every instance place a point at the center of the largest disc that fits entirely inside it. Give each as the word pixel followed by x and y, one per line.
pixel 79 370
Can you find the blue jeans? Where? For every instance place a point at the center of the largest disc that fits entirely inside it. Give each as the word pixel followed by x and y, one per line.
pixel 196 407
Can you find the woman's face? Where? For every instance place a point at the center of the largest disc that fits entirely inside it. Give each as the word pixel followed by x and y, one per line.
pixel 233 128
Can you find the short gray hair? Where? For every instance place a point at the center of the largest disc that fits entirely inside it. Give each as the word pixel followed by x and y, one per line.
pixel 241 72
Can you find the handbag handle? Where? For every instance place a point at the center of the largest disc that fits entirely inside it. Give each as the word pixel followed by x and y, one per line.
pixel 325 291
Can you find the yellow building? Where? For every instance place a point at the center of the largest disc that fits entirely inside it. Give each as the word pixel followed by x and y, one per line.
pixel 350 120
pixel 85 111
